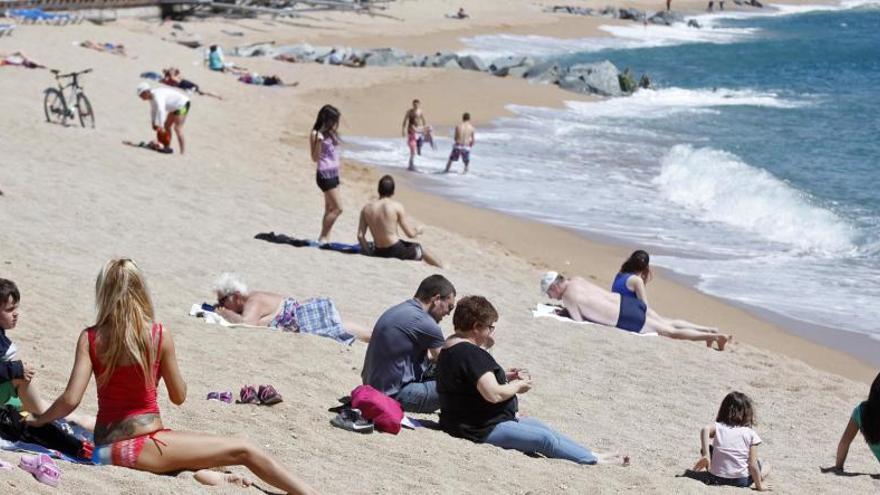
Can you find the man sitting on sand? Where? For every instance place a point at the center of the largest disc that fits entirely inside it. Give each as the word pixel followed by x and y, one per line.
pixel 403 339
pixel 316 316
pixel 588 302
pixel 168 109
pixel 464 141
pixel 383 216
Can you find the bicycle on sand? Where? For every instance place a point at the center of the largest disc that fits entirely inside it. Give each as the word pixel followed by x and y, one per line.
pixel 59 108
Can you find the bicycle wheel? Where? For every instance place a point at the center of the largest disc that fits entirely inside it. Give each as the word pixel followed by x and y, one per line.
pixel 84 109
pixel 55 107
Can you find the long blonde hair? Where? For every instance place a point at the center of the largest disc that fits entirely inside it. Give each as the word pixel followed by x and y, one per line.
pixel 125 319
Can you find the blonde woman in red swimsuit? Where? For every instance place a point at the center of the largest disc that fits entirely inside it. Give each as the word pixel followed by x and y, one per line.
pixel 130 354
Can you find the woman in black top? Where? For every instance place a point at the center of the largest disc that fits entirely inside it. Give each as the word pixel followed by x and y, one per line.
pixel 478 397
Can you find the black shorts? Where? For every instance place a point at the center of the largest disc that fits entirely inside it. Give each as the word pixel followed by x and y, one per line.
pixel 402 250
pixel 325 183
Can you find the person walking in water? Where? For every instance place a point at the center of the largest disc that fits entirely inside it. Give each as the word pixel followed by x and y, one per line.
pixel 464 141
pixel 324 145
pixel 414 124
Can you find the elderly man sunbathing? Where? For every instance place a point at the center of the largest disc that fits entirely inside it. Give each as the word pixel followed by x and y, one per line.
pixel 316 316
pixel 588 302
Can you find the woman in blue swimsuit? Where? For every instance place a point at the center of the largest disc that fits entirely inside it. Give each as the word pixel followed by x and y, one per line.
pixel 631 281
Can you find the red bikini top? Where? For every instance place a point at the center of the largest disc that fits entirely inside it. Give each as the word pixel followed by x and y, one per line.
pixel 126 393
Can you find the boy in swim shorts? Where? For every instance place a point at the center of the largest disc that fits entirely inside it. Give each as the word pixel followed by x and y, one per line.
pixel 464 141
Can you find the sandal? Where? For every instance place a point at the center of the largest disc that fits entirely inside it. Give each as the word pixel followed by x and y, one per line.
pixel 221 396
pixel 248 395
pixel 268 395
pixel 42 467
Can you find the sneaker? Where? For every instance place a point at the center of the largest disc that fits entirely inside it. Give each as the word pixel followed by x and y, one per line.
pixel 352 420
pixel 268 396
pixel 247 395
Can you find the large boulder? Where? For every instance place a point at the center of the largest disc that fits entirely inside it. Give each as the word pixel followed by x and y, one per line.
pixel 385 57
pixel 519 71
pixel 451 63
pixel 501 66
pixel 443 59
pixel 632 14
pixel 544 72
pixel 472 62
pixel 666 18
pixel 598 78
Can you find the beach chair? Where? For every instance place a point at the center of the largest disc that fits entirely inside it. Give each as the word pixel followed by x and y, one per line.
pixel 6 29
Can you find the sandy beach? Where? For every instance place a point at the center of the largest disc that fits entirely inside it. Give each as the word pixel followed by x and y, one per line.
pixel 73 197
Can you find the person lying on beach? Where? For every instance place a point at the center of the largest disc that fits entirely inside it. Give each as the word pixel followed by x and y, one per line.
pixel 478 398
pixel 588 302
pixel 168 110
pixel 631 281
pixel 21 60
pixel 461 14
pixel 382 217
pixel 414 123
pixel 114 48
pixel 732 458
pixel 171 77
pixel 464 141
pixel 129 353
pixel 17 388
pixel 319 316
pixel 406 338
pixel 865 418
pixel 252 78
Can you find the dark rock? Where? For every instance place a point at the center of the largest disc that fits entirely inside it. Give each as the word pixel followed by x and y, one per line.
pixel 544 72
pixel 627 82
pixel 472 62
pixel 694 24
pixel 501 66
pixel 666 18
pixel 443 59
pixel 645 82
pixel 631 14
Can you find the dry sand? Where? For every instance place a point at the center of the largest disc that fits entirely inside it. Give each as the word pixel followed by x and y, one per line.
pixel 75 197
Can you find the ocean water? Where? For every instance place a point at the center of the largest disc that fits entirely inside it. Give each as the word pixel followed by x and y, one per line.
pixel 754 166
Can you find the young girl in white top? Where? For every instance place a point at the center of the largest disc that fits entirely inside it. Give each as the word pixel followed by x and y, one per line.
pixel 732 458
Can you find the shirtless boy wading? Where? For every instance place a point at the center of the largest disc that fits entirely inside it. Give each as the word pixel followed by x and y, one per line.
pixel 464 141
pixel 414 124
pixel 383 216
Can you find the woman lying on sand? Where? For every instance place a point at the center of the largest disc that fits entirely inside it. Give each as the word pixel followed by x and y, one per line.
pixel 129 353
pixel 114 48
pixel 478 397
pixel 585 301
pixel 634 275
pixel 865 418
pixel 317 316
pixel 19 59
pixel 171 77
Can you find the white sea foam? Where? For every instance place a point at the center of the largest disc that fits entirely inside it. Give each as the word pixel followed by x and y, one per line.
pixel 716 186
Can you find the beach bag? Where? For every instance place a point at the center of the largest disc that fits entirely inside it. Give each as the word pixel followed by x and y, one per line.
pixel 377 407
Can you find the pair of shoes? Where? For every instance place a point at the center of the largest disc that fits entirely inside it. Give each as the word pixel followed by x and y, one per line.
pixel 266 395
pixel 221 396
pixel 352 420
pixel 42 467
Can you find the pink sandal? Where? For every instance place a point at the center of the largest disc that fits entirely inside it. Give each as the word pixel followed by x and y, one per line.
pixel 42 467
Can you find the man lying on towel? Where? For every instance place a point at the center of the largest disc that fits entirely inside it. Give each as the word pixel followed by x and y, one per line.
pixel 382 217
pixel 317 316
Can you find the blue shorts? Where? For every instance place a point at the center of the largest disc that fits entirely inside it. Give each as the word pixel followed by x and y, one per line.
pixel 632 314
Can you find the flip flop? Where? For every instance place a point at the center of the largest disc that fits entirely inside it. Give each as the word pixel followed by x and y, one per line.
pixel 248 395
pixel 42 467
pixel 221 396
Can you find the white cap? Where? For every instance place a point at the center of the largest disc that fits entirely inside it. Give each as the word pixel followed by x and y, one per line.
pixel 547 280
pixel 144 86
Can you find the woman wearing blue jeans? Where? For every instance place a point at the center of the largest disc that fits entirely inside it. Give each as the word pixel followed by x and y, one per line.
pixel 478 398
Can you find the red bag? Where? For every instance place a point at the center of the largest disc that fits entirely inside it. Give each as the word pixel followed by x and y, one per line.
pixel 377 407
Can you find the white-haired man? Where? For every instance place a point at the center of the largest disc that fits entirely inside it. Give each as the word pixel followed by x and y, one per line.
pixel 168 109
pixel 317 316
pixel 588 302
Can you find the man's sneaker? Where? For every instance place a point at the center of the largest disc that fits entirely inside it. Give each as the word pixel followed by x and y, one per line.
pixel 352 420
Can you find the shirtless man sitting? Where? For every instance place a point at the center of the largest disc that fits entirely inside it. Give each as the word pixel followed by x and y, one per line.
pixel 588 302
pixel 414 123
pixel 382 216
pixel 317 316
pixel 464 141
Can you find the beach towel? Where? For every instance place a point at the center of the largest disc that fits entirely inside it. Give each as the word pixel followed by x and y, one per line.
pixel 58 439
pixel 550 311
pixel 339 247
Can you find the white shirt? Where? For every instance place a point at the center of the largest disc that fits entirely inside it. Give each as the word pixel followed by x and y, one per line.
pixel 163 102
pixel 730 457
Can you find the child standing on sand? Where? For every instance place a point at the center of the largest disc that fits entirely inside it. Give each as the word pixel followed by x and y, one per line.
pixel 324 145
pixel 732 459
